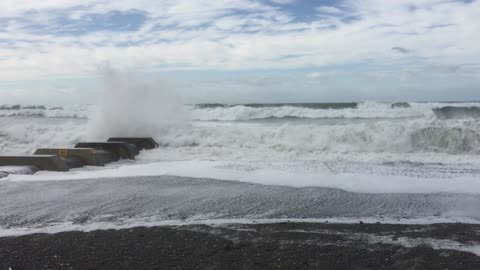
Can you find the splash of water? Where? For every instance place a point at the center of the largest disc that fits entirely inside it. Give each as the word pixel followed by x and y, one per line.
pixel 128 106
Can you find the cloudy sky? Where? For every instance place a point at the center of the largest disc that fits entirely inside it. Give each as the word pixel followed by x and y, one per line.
pixel 244 50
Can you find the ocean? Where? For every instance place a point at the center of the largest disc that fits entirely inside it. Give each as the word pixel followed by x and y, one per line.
pixel 427 140
pixel 416 162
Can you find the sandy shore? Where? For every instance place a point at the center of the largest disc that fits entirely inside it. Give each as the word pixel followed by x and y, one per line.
pixel 261 246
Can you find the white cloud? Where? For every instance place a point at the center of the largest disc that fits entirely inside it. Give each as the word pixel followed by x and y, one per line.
pixel 320 75
pixel 329 9
pixel 283 2
pixel 201 34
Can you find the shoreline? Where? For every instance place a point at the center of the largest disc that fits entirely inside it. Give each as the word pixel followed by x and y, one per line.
pixel 250 246
pixel 126 225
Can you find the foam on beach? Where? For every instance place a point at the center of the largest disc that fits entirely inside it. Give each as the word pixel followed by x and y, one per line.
pixel 279 174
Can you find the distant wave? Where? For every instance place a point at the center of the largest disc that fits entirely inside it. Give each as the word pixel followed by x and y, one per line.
pixel 222 112
pixel 23 114
pixel 297 118
pixel 39 114
pixel 451 112
pixel 288 117
pixel 400 105
pixel 75 111
pixel 325 106
pixel 278 111
pixel 29 107
pixel 210 105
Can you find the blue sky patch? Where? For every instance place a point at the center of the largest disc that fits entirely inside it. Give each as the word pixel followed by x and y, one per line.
pixel 114 21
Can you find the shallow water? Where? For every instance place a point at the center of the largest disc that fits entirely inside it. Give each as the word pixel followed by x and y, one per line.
pixel 135 201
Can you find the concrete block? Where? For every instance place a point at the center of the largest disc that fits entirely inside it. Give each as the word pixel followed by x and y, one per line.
pixel 78 157
pixel 141 142
pixel 117 150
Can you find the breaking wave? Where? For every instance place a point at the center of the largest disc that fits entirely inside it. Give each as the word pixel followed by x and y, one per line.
pixel 452 140
pixel 284 132
pixel 24 135
pixel 313 140
pixel 451 112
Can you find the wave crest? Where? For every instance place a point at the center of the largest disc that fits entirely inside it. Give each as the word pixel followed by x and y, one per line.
pixel 44 111
pixel 344 110
pixel 314 140
pixel 451 112
pixel 451 140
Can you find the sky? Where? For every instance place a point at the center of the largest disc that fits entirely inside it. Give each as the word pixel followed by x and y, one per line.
pixel 235 51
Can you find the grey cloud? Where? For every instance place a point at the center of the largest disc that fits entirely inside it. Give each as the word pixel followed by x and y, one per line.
pixel 400 50
pixel 444 68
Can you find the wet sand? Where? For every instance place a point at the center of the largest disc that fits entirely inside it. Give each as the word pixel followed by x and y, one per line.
pixel 153 199
pixel 256 246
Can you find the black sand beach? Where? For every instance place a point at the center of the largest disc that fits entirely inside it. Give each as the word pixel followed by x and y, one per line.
pixel 261 246
pixel 128 202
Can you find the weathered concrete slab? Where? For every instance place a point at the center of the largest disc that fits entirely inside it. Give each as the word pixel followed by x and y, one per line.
pixel 87 156
pixel 117 150
pixel 141 142
pixel 43 162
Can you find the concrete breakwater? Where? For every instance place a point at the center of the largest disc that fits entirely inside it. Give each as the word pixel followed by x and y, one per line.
pixel 82 154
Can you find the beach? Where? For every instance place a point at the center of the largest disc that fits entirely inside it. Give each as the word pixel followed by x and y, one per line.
pixel 266 186
pixel 263 246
